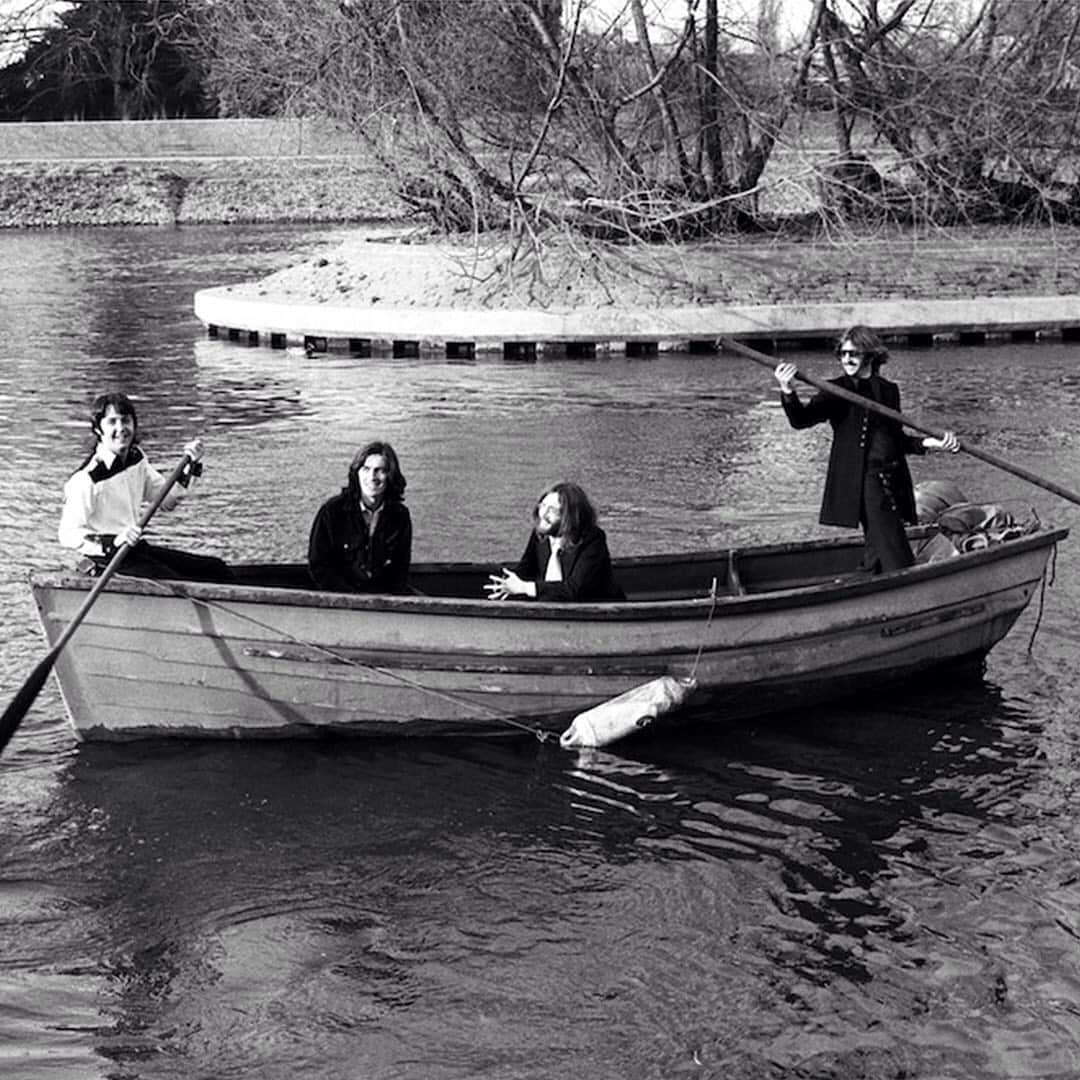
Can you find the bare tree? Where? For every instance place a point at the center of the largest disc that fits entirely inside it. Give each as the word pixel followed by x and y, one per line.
pixel 975 107
pixel 498 112
pixel 559 122
pixel 106 59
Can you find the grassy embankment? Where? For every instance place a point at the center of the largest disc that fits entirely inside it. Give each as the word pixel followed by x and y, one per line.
pixel 184 172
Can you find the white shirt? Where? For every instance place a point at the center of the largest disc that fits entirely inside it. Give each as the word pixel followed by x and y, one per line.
pixel 99 501
pixel 554 567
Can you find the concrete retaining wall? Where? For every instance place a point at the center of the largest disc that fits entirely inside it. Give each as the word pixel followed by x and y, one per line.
pixel 584 332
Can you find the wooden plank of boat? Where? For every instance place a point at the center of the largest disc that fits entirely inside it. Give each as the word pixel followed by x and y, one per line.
pixel 758 629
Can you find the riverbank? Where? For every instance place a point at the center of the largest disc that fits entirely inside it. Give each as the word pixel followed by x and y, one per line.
pixel 192 192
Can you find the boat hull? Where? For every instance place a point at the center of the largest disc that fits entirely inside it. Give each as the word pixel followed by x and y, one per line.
pixel 155 659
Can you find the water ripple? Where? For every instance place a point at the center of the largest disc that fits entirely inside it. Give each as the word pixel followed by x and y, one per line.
pixel 886 888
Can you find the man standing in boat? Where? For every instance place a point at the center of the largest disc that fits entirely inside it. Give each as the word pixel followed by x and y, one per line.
pixel 361 539
pixel 868 482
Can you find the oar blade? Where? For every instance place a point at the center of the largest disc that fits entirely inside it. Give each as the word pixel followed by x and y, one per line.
pixel 21 702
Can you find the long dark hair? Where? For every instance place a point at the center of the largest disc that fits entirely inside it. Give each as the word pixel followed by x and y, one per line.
pixel 395 478
pixel 867 342
pixel 577 513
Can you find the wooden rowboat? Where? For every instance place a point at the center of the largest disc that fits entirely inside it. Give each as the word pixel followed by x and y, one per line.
pixel 760 629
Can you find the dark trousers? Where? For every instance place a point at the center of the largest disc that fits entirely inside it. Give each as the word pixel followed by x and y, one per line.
pixel 887 546
pixel 151 561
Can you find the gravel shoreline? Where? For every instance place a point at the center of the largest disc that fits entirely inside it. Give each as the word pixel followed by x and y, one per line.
pixel 406 270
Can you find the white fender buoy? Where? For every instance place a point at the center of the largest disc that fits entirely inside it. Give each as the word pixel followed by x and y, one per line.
pixel 623 715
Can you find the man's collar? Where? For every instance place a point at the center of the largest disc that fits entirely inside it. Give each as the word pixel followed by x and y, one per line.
pixel 106 464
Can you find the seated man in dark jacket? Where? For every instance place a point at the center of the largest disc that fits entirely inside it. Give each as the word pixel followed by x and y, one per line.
pixel 361 539
pixel 566 557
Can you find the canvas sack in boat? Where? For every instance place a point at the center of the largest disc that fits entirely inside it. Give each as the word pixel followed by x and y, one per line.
pixel 933 497
pixel 973 526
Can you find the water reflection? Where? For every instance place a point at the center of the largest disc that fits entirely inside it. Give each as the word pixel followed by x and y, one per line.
pixel 883 874
pixel 880 889
pixel 369 884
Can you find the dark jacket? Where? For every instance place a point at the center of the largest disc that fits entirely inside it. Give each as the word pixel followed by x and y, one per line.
pixel 586 568
pixel 855 432
pixel 344 558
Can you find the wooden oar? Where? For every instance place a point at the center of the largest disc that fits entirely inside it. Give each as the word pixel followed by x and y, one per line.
pixel 884 410
pixel 20 704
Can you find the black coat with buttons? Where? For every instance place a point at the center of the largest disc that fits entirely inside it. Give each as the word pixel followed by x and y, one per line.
pixel 853 432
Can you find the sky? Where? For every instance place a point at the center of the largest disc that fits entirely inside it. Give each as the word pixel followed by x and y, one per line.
pixel 16 14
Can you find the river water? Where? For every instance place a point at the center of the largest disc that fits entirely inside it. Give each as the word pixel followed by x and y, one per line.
pixel 888 889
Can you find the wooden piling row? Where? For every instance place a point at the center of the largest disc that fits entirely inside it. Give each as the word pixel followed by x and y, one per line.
pixel 525 335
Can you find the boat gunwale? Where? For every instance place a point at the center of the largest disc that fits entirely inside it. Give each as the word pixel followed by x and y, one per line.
pixel 575 611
